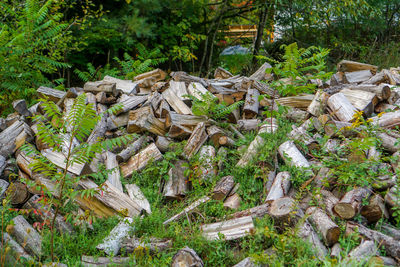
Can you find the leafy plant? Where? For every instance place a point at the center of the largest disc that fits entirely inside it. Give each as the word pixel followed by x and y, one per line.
pixel 95 74
pixel 299 65
pixel 59 133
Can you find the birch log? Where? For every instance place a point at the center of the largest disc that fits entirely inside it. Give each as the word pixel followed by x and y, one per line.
pixel 207 168
pixel 252 104
pixel 292 156
pixel 280 186
pixel 112 243
pixel 136 195
pixel 341 107
pixel 350 204
pixel 230 230
pixel 318 104
pixel 324 224
pixel 112 165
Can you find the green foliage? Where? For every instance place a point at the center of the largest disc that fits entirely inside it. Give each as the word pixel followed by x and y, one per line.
pixel 236 64
pixel 208 106
pixel 96 74
pixel 298 67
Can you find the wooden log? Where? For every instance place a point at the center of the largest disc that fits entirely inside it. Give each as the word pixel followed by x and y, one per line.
pixel 163 110
pixel 232 201
pixel 112 243
pixel 178 131
pixel 280 186
pixel 387 120
pixel 336 250
pixel 251 105
pixel 23 162
pixel 186 257
pixel 9 242
pixel 390 230
pixel 228 230
pixel 3 188
pixel 187 210
pixel 18 193
pixel 214 133
pixel 26 236
pixel 131 149
pixel 375 210
pixel 50 94
pixel 196 140
pixel 249 125
pixel 226 141
pixel 307 233
pixel 364 251
pixel 247 262
pixel 130 103
pixel 197 90
pixel 136 195
pixel 382 261
pixel 102 98
pixel 318 104
pixel 157 74
pixel 59 160
pixel 255 212
pixel 207 168
pixel 112 165
pixel 100 129
pixel 341 108
pixel 178 183
pixel 350 204
pixel 125 86
pixel 163 143
pixel 362 100
pixel 382 91
pixel 89 261
pixel 42 183
pixel 178 105
pixel 261 73
pixel 179 89
pixel 300 134
pixel 392 198
pixel 234 116
pixel 100 86
pixel 3 124
pixel 139 161
pixel 44 214
pixel 292 156
pixel 21 107
pixel 327 200
pixel 301 101
pixel 223 187
pixel 144 119
pixel 324 225
pixel 222 155
pixel 189 121
pixel 349 66
pixel 357 76
pixel 391 245
pixel 152 245
pixel 13 137
pixel 284 212
pixel 221 73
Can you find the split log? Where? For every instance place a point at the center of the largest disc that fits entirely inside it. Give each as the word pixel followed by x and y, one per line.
pixel 375 210
pixel 23 162
pixel 186 257
pixel 112 164
pixel 207 168
pixel 100 129
pixel 221 73
pixel 391 245
pixel 43 213
pixel 114 122
pixel 280 187
pixel 318 104
pixel 232 201
pixel 130 103
pixel 59 160
pixel 42 183
pixel 250 108
pixel 307 233
pixel 292 156
pixel 261 74
pixel 18 193
pixel 163 143
pixel 226 141
pixel 249 125
pixel 136 195
pixel 139 161
pixel 3 188
pixel 21 107
pixel 196 140
pixel 13 137
pixel 26 236
pixel 255 212
pixel 50 94
pixel 100 86
pixel 177 104
pixel 349 66
pixel 157 74
pixel 163 110
pixel 178 131
pixel 102 98
pixel 350 204
pixel 361 100
pixel 284 212
pixel 382 91
pixel 189 121
pixel 223 187
pixel 178 184
pixel 296 115
pixel 364 251
pixel 341 107
pixel 187 209
pixel 300 101
pixel 179 89
pixel 112 243
pixel 229 230
pixel 300 134
pixel 336 250
pixel 214 133
pixel 16 248
pixel 324 224
pixel 125 86
pixel 357 76
pixel 152 245
pixel 197 90
pixel 131 149
pixel 144 119
pixel 89 261
pixel 387 120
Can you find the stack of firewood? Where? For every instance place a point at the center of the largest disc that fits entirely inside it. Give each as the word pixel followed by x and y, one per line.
pixel 158 109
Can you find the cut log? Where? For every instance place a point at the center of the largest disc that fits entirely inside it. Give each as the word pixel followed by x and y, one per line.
pixel 3 188
pixel 249 125
pixel 42 183
pixel 327 201
pixel 226 141
pixel 247 262
pixel 234 116
pixel 102 98
pixel 50 94
pixel 139 161
pixel 284 212
pixel 341 108
pixel 125 86
pixel 214 133
pixel 178 183
pixel 21 107
pixel 112 165
pixel 59 160
pixel 130 103
pixel 387 120
pixel 189 121
pixel 207 168
pixel 16 248
pixel 136 195
pixel 178 131
pixel 13 137
pixel 228 230
pixel 362 100
pixel 26 236
pixel 357 76
pixel 300 134
pixel 350 204
pixel 375 210
pixel 221 73
pixel 152 245
pixel 232 202
pixel 163 109
pixel 255 212
pixel 100 86
pixel 44 214
pixel 112 243
pixel 144 119
pixel 222 155
pixel 292 156
pixel 23 162
pixel 197 90
pixel 223 187
pixel 349 66
pixel 324 225
pixel 251 105
pixel 196 140
pixel 364 251
pixel 179 89
pixel 18 193
pixel 382 91
pixel 157 74
pixel 336 250
pixel 163 143
pixel 280 187
pixel 187 210
pixel 131 149
pixel 392 198
pixel 318 104
pixel 307 233
pixel 177 104
pixel 186 257
pixel 261 74
pixel 391 245
pixel 390 231
pixel 300 101
pixel 89 261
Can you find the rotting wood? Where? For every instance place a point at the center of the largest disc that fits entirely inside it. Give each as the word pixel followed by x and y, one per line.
pixel 177 184
pixel 251 105
pixel 223 187
pixel 89 261
pixel 144 119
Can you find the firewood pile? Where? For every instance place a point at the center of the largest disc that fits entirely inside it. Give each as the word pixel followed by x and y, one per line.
pixel 158 110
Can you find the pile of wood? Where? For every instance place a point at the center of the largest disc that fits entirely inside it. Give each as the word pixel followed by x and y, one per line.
pixel 158 110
